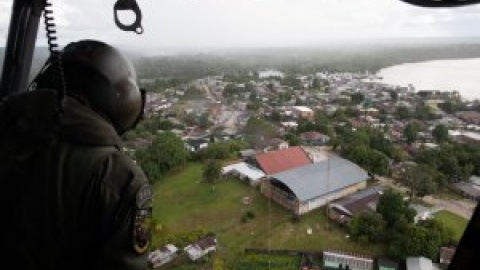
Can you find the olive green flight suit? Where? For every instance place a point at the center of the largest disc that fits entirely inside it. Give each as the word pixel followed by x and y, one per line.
pixel 70 198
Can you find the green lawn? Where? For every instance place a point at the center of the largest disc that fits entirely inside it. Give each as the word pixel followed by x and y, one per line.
pixel 183 203
pixel 455 222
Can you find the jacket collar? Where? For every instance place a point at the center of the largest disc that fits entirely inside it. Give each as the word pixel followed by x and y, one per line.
pixel 79 123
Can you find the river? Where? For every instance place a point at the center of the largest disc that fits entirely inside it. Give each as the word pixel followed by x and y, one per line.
pixel 444 75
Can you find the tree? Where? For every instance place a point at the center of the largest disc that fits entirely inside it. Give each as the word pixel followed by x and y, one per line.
pixel 393 208
pixel 203 121
pixel 370 225
pixel 292 139
pixel 212 171
pixel 424 112
pixel 357 98
pixel 411 132
pixel 275 116
pixel 414 242
pixel 440 132
pixel 377 162
pixel 399 154
pixel 403 113
pixel 421 240
pixel 371 160
pixel 257 130
pixel 420 179
pixel 166 153
pixel 394 95
pixel 339 115
pixel 316 84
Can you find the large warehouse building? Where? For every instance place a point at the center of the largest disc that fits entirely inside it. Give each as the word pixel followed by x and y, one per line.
pixel 306 188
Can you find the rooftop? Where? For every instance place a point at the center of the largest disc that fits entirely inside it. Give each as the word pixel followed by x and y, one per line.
pixel 285 159
pixel 244 169
pixel 314 180
pixel 360 201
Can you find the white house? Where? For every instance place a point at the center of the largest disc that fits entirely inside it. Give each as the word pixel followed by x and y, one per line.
pixel 201 248
pixel 162 255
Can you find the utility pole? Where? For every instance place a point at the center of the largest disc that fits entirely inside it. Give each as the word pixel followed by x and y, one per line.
pixel 328 193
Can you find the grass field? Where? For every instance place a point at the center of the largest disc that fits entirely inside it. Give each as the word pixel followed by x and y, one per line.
pixel 455 222
pixel 183 203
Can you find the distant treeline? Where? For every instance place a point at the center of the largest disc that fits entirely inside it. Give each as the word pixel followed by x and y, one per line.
pixel 302 61
pixel 294 60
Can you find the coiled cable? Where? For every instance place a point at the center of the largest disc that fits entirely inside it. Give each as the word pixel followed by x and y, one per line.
pixel 55 54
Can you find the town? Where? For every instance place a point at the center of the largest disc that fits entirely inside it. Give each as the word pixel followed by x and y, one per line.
pixel 336 170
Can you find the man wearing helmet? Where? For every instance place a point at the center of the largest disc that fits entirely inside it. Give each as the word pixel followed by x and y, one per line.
pixel 72 199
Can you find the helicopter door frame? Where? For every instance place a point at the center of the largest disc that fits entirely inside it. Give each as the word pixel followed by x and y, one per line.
pixel 22 36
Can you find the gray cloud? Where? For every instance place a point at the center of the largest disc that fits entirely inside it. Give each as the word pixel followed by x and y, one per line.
pixel 220 23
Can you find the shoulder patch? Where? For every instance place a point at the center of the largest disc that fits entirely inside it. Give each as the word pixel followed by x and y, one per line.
pixel 142 225
pixel 142 222
pixel 144 196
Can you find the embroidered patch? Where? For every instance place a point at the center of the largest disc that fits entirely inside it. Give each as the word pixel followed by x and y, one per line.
pixel 142 222
pixel 142 225
pixel 144 196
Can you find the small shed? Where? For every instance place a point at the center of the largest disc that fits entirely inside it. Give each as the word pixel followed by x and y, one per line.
pixel 201 248
pixel 162 255
pixel 245 172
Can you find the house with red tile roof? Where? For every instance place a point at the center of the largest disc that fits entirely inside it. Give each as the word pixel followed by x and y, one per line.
pixel 282 160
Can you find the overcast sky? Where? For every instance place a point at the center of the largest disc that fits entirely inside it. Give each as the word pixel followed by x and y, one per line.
pixel 256 23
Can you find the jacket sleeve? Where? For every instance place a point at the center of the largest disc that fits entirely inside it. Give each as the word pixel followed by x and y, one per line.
pixel 126 200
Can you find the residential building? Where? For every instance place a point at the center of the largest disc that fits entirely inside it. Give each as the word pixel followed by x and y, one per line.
pixel 470 189
pixel 461 136
pixel 193 145
pixel 201 248
pixel 162 255
pixel 309 187
pixel 303 112
pixel 314 138
pixel 471 117
pixel 344 260
pixel 271 144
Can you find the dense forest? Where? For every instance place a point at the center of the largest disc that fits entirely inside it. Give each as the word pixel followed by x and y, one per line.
pixel 301 60
pixel 350 58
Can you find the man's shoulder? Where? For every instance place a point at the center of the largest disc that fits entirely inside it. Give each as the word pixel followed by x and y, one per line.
pixel 121 170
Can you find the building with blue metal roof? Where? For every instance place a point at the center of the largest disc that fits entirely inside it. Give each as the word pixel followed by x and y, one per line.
pixel 308 187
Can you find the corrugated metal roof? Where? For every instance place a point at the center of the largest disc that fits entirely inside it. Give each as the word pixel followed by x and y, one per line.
pixel 311 181
pixel 363 200
pixel 282 160
pixel 245 169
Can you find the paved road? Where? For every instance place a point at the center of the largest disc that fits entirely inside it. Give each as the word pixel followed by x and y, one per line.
pixel 462 208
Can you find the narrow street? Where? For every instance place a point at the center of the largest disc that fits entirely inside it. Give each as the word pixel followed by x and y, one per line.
pixel 462 208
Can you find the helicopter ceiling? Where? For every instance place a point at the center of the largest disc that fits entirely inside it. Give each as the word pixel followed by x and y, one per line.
pixel 441 3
